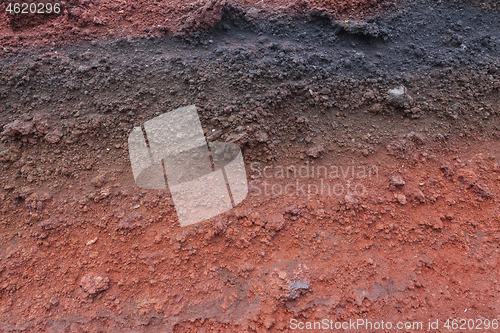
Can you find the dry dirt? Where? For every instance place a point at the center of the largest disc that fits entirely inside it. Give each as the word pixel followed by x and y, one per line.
pixel 409 232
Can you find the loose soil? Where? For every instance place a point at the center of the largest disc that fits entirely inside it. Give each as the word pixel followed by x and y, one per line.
pixel 409 231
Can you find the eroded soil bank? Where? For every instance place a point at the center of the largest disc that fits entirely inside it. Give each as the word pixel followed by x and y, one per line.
pixel 403 226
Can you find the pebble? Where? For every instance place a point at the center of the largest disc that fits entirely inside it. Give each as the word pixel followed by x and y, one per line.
pixel 275 222
pixel 397 181
pixel 316 151
pixel 50 224
pixel 401 198
pixel 399 97
pixel 54 136
pixel 94 284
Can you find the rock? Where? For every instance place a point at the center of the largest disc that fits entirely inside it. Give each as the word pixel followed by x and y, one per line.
pixel 397 181
pixel 214 135
pixel 41 122
pixel 418 138
pixel 376 108
pixel 466 176
pixel 50 224
pixel 204 17
pixel 296 288
pixel 316 151
pixel 275 222
pixel 54 136
pixel 418 195
pixel 22 193
pixel 349 199
pixel 401 198
pixel 252 14
pixel 99 180
pixel 75 12
pixel 293 210
pixel 18 127
pixel 94 284
pixel 437 223
pixel 415 111
pixel 399 97
pixel 233 137
pixel 129 222
pixel 261 136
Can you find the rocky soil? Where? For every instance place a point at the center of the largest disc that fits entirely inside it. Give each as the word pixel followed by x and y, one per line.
pixel 399 102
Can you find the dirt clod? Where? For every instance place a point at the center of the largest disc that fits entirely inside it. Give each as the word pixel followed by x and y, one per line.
pixel 397 181
pixel 94 284
pixel 316 151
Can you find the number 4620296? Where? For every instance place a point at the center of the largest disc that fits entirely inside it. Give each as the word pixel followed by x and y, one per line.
pixel 33 8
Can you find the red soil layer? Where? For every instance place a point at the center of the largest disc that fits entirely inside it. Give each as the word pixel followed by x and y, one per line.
pixel 113 256
pixel 108 18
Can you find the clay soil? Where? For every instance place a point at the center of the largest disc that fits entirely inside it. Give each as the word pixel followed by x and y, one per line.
pixel 402 227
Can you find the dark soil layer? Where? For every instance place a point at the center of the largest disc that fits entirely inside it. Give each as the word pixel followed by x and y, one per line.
pixel 82 249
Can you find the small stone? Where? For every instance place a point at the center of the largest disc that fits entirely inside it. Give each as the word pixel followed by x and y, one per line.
pixel 397 181
pixel 466 176
pixel 214 135
pixel 54 136
pixel 92 241
pixel 316 152
pixel 419 195
pixel 438 224
pixel 41 122
pixel 401 198
pixel 94 284
pixel 18 127
pixel 50 224
pixel 275 222
pixel 376 108
pixel 75 328
pixel 99 180
pixel 447 171
pixel 399 97
pixel 220 227
pixel 233 137
pixel 129 222
pixel 418 138
pixel 301 120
